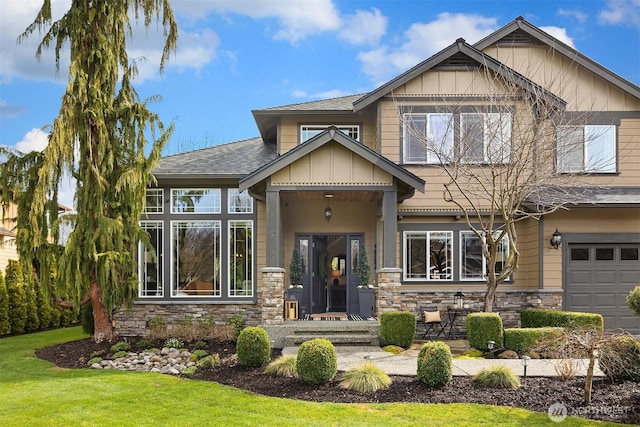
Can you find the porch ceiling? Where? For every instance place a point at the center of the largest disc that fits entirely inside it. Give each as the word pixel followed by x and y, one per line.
pixel 338 196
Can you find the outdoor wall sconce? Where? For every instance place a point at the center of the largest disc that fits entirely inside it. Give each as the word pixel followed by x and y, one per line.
pixel 327 211
pixel 458 299
pixel 556 239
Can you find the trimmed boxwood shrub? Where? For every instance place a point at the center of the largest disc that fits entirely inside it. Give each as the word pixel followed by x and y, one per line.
pixel 253 347
pixel 620 359
pixel 17 298
pixel 317 361
pixel 541 318
pixel 522 340
pixel 435 367
pixel 484 327
pixel 633 300
pixel 398 328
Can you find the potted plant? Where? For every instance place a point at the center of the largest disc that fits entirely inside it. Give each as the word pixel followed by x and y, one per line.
pixel 295 274
pixel 366 291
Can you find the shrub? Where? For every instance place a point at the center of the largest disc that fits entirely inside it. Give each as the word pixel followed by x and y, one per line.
pixel 17 300
pixel 253 347
pixel 317 361
pixel 393 349
pixel 435 367
pixel 120 346
pixel 566 368
pixel 209 362
pixel 32 321
pixel 484 327
pixel 144 344
pixel 199 354
pixel 200 345
pixel 620 358
pixel 86 319
pixel 5 325
pixel 540 318
pixel 94 360
pixel 497 377
pixel 522 340
pixel 184 328
pixel 470 354
pixel 119 354
pixel 398 328
pixel 189 371
pixel 237 322
pixel 97 353
pixel 365 378
pixel 157 327
pixel 633 300
pixel 283 366
pixel 174 343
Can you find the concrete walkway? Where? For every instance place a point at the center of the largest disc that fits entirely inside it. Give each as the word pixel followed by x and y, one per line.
pixel 406 362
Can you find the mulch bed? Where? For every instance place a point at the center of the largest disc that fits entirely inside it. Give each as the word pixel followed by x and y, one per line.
pixel 611 401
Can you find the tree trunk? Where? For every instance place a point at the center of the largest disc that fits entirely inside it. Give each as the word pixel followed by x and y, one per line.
pixel 490 296
pixel 588 381
pixel 103 329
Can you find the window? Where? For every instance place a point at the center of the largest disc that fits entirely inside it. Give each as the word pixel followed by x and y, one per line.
pixel 309 131
pixel 485 137
pixel 473 264
pixel 428 255
pixel 586 149
pixel 239 202
pixel 195 258
pixel 432 138
pixel 195 200
pixel 427 137
pixel 150 261
pixel 240 258
pixel 153 201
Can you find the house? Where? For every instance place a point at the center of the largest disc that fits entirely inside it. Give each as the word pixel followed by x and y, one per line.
pixel 338 176
pixel 8 248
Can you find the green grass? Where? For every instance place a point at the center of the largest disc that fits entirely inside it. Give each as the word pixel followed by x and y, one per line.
pixel 35 393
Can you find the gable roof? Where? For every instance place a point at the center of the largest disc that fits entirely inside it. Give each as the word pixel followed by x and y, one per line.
pixel 232 160
pixel 520 29
pixel 409 182
pixel 457 53
pixel 267 118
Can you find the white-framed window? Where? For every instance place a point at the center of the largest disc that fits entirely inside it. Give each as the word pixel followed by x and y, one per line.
pixel 240 258
pixel 150 278
pixel 473 264
pixel 239 201
pixel 195 258
pixel 485 137
pixel 590 149
pixel 154 198
pixel 309 131
pixel 428 255
pixel 195 200
pixel 427 137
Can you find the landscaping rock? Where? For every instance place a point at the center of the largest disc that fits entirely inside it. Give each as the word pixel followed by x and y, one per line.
pixel 169 361
pixel 508 354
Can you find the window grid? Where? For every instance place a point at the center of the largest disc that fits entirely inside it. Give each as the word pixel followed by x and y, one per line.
pixel 154 199
pixel 309 131
pixel 196 201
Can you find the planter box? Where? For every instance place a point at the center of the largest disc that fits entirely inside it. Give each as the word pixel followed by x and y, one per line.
pixel 366 298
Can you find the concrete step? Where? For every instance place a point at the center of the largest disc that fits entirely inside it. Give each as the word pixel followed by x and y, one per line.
pixel 339 338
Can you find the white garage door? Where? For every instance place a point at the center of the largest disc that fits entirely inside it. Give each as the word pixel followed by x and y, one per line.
pixel 599 278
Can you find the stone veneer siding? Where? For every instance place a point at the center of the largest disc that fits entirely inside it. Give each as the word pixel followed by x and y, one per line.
pixel 268 309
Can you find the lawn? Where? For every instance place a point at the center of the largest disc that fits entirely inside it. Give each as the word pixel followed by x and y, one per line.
pixel 35 393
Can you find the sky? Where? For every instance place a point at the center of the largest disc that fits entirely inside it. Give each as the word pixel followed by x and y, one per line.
pixel 235 56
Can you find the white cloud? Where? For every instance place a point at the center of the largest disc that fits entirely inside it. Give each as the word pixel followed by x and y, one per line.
pixel 621 12
pixel 579 16
pixel 34 140
pixel 9 110
pixel 421 41
pixel 560 34
pixel 363 27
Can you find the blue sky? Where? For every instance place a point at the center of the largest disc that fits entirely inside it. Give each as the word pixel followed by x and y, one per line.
pixel 238 55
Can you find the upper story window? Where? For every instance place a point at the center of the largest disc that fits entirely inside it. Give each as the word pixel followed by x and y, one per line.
pixel 309 131
pixel 239 202
pixel 190 200
pixel 478 137
pixel 153 201
pixel 590 149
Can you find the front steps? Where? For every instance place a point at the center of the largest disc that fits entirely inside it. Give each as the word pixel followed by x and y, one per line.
pixel 340 333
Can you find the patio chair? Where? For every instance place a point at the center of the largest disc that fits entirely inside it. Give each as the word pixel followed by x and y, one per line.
pixel 432 322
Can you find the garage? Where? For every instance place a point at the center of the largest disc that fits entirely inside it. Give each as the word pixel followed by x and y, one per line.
pixel 598 278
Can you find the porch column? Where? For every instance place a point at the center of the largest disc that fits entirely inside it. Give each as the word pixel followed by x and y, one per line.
pixel 389 298
pixel 274 229
pixel 389 227
pixel 271 296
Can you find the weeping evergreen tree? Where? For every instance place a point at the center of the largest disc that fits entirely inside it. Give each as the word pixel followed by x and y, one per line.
pixel 99 138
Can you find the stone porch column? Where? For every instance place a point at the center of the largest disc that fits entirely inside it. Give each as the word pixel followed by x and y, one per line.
pixel 389 298
pixel 270 295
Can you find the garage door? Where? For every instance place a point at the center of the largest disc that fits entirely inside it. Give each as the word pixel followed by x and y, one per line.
pixel 599 278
